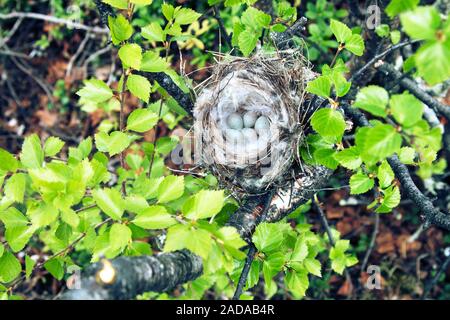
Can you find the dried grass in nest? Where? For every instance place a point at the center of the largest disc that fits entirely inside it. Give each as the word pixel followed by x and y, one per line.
pixel 272 85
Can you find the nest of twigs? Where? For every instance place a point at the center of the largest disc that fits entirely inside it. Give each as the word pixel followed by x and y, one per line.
pixel 249 119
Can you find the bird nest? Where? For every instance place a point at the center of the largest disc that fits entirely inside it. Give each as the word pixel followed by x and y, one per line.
pixel 248 119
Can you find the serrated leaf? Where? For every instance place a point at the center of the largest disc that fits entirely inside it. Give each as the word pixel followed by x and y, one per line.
pixel 141 120
pixel 15 187
pixel 183 236
pixel 152 62
pixel 32 155
pixel 186 16
pixel 320 87
pixel 328 123
pixel 385 175
pixel 300 251
pixel 139 86
pixel 379 143
pixel 267 237
pixel 360 183
pixel 8 162
pixel 171 188
pixel 153 32
pixel 53 146
pixel 398 6
pixel 18 237
pixel 96 91
pixel 119 236
pixel 121 29
pixel 355 44
pixel 373 99
pixel 114 143
pixel 131 55
pixel 432 61
pixel 110 202
pixel 349 158
pixel 421 23
pixel 204 204
pixel 313 266
pixel 340 31
pixel 406 109
pixel 247 41
pixel 10 267
pixel 29 266
pixel 154 218
pixel 56 268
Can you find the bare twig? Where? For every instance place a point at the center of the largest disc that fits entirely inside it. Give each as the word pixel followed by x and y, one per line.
pixel 435 280
pixel 372 242
pixel 77 53
pixel 223 30
pixel 11 32
pixel 51 19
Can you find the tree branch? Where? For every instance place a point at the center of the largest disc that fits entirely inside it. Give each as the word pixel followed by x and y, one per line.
pixel 125 277
pixel 411 86
pixel 430 214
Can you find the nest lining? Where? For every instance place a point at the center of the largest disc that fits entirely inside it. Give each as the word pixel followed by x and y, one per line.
pixel 270 86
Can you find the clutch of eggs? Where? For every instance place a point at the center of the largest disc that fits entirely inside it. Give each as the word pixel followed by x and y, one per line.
pixel 248 129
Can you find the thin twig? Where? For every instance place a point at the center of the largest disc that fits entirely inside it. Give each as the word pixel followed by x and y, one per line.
pixel 51 19
pixel 11 32
pixel 77 53
pixel 375 59
pixel 372 242
pixel 435 280
pixel 223 30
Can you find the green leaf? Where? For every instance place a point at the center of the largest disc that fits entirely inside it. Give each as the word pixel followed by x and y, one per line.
pixel 142 2
pixel 300 251
pixel 32 155
pixel 267 237
pixel 297 283
pixel 391 199
pixel 183 236
pixel 153 32
pixel 349 158
pixel 421 23
pixel 320 87
pixel 407 155
pixel 360 183
pixel 139 86
pixel 355 44
pixel 432 61
pixel 8 162
pixel 29 266
pixel 380 142
pixel 185 16
pixel 13 218
pixel 114 143
pixel 10 267
pixel 18 237
pixel 154 218
pixel 340 31
pixel 15 187
pixel 53 146
pixel 131 55
pixel 2 249
pixel 119 236
pixel 204 204
pixel 96 91
pixel 141 120
pixel 313 266
pixel 328 123
pixel 119 4
pixel 110 202
pixel 121 29
pixel 56 268
pixel 406 109
pixel 171 188
pixel 396 36
pixel 272 265
pixel 385 175
pixel 168 11
pixel 326 158
pixel 373 99
pixel 398 6
pixel 152 62
pixel 43 215
pixel 247 41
